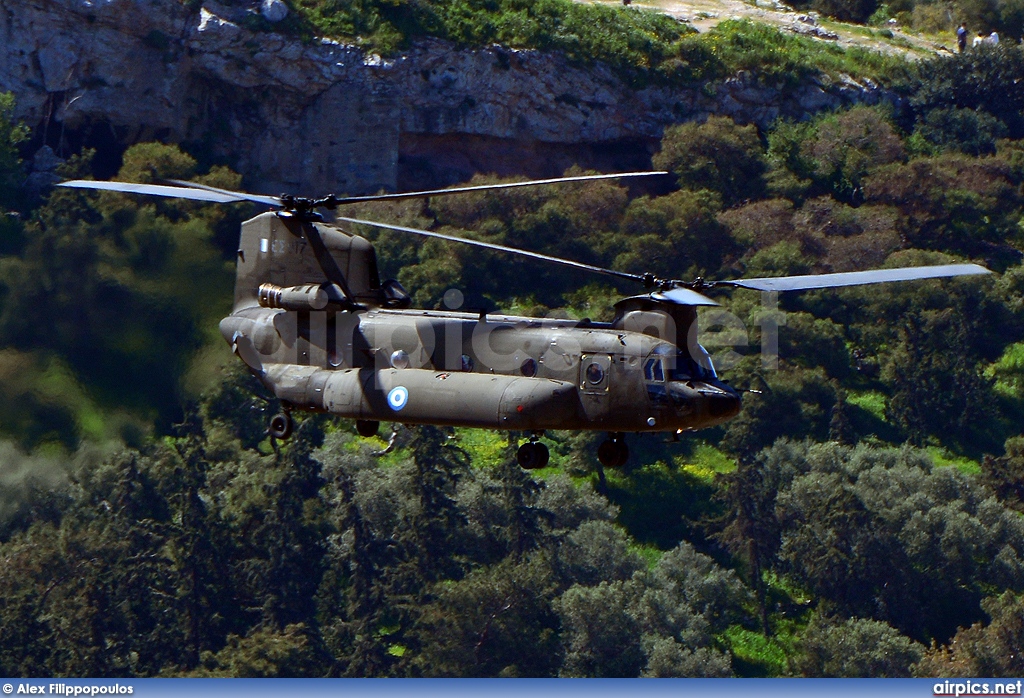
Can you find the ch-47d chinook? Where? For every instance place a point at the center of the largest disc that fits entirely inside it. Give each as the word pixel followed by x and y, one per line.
pixel 315 324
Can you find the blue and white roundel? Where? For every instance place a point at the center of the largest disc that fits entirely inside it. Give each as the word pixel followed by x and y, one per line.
pixel 397 398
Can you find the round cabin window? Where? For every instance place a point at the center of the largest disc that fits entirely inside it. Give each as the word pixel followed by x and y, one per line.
pixel 595 374
pixel 529 368
pixel 400 359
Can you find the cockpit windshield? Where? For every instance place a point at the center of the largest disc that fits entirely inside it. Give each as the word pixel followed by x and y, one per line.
pixel 668 361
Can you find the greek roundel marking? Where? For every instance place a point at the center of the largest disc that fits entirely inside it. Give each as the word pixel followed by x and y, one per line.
pixel 397 398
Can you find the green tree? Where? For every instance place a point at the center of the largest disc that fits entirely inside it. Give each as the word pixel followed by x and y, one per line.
pixel 657 623
pixel 794 402
pixel 11 174
pixel 833 153
pixel 881 533
pixel 964 130
pixel 437 525
pixel 749 528
pixel 264 654
pixel 672 235
pixel 856 648
pixel 600 635
pixel 936 385
pixel 983 650
pixel 1005 474
pixel 718 155
pixel 986 80
pixel 496 621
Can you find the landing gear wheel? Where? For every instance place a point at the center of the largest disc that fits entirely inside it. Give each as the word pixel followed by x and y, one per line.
pixel 281 425
pixel 533 455
pixel 613 453
pixel 367 428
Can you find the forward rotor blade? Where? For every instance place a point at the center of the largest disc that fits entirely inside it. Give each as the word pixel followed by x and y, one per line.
pixel 194 193
pixel 855 278
pixel 683 296
pixel 492 246
pixel 243 196
pixel 488 187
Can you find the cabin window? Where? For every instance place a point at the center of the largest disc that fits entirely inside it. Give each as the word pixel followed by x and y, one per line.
pixel 467 363
pixel 529 368
pixel 595 374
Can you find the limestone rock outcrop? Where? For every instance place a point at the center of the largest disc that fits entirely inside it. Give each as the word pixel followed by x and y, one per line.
pixel 326 117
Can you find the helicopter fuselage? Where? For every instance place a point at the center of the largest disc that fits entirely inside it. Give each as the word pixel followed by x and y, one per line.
pixel 491 371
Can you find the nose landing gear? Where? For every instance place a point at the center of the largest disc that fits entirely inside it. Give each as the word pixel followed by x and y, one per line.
pixel 533 454
pixel 613 452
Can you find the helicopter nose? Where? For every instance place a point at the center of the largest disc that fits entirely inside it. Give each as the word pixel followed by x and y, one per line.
pixel 722 404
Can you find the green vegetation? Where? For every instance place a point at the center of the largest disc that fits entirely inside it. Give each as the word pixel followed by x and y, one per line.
pixel 865 505
pixel 1006 16
pixel 942 458
pixel 759 654
pixel 1008 371
pixel 872 401
pixel 633 41
pixel 777 58
pixel 642 46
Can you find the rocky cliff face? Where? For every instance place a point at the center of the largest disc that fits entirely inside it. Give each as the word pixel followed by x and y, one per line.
pixel 325 117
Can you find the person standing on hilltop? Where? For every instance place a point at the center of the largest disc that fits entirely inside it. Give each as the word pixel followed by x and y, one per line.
pixel 961 36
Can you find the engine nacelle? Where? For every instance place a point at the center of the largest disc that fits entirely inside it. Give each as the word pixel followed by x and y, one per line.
pixel 307 297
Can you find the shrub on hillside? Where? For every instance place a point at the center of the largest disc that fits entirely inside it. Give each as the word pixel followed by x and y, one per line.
pixel 964 130
pixel 719 155
pixel 833 153
pixel 856 648
pixel 986 78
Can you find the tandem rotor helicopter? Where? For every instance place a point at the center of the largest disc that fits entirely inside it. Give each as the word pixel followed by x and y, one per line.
pixel 315 324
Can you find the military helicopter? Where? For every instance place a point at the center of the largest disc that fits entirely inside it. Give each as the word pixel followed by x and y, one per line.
pixel 315 324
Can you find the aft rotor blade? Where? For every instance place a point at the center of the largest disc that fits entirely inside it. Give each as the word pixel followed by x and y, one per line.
pixel 492 246
pixel 856 278
pixel 488 187
pixel 243 196
pixel 194 193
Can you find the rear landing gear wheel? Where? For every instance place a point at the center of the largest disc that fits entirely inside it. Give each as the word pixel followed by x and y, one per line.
pixel 367 428
pixel 533 455
pixel 281 426
pixel 613 452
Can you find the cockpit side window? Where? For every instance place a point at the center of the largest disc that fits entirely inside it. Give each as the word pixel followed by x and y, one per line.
pixel 653 370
